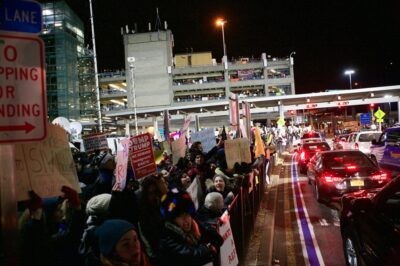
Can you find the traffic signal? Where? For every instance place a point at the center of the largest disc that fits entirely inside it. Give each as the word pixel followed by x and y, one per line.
pixel 371 106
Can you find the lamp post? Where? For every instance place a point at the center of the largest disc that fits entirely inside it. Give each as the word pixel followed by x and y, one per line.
pixel 131 63
pixel 221 22
pixel 96 73
pixel 349 72
pixel 291 58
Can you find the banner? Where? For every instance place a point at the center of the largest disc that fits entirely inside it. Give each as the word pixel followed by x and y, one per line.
pixel 122 164
pixel 142 156
pixel 45 166
pixel 178 149
pixel 237 150
pixel 95 142
pixel 228 254
pixel 206 137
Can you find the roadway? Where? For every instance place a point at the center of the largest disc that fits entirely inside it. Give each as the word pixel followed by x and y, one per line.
pixel 292 228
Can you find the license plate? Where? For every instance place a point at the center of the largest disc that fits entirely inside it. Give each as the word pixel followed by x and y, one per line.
pixel 357 183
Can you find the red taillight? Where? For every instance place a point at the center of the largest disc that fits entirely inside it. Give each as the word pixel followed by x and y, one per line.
pixel 351 167
pixel 317 150
pixel 303 155
pixel 380 176
pixel 330 178
pixel 356 146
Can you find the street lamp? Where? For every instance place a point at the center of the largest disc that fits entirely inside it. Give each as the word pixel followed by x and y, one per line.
pixel 221 22
pixel 131 63
pixel 349 72
pixel 291 58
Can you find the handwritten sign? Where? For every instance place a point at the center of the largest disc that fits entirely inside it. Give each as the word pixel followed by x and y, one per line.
pixel 95 142
pixel 45 166
pixel 178 149
pixel 122 163
pixel 228 252
pixel 237 151
pixel 142 156
pixel 206 137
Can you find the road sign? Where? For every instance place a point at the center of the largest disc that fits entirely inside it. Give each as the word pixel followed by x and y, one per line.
pixel 379 120
pixel 23 113
pixel 20 16
pixel 379 114
pixel 280 121
pixel 365 119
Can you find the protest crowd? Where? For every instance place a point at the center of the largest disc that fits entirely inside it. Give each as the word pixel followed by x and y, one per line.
pixel 169 217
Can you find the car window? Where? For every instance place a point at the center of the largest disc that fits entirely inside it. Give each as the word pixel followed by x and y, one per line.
pixel 339 160
pixel 393 137
pixel 382 137
pixel 391 208
pixel 368 137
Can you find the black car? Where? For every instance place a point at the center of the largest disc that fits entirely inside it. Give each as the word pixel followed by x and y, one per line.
pixel 370 226
pixel 308 150
pixel 334 173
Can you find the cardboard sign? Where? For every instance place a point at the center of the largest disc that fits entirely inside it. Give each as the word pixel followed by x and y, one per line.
pixel 122 164
pixel 45 166
pixel 95 142
pixel 178 149
pixel 206 137
pixel 142 156
pixel 228 252
pixel 237 150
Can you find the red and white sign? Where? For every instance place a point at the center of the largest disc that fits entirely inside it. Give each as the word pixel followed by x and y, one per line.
pixel 23 113
pixel 142 156
pixel 228 252
pixel 95 142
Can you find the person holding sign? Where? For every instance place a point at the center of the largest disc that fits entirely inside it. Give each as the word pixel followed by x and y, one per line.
pixel 181 241
pixel 221 187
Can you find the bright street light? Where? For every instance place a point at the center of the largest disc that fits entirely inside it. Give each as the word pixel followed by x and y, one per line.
pixel 221 22
pixel 291 58
pixel 349 72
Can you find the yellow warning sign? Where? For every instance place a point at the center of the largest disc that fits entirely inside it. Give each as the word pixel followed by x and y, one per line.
pixel 379 114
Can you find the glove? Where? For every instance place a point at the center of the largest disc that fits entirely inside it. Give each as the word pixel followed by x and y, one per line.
pixel 35 202
pixel 72 197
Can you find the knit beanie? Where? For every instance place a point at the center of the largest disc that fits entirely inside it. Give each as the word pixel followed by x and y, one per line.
pixel 98 205
pixel 175 203
pixel 109 233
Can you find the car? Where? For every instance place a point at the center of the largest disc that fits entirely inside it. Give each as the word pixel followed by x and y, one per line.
pixel 386 150
pixel 335 173
pixel 338 141
pixel 361 141
pixel 311 136
pixel 308 150
pixel 370 226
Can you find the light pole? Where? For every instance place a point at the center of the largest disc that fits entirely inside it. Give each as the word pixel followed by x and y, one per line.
pixel 221 22
pixel 96 73
pixel 131 62
pixel 349 72
pixel 291 58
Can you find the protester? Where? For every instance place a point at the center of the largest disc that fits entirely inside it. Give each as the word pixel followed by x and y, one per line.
pixel 221 187
pixel 181 242
pixel 119 244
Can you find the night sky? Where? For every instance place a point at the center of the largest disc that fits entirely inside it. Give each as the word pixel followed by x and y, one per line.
pixel 328 36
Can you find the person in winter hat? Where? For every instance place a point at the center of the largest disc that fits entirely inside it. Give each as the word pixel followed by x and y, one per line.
pixel 119 244
pixel 181 241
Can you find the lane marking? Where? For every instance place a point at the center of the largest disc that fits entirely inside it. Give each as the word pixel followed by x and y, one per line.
pixel 289 234
pixel 311 252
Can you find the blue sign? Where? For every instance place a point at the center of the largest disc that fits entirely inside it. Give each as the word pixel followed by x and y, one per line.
pixel 365 119
pixel 20 16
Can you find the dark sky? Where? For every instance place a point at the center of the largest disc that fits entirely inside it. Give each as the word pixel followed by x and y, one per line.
pixel 328 36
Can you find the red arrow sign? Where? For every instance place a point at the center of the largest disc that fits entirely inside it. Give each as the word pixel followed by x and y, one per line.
pixel 27 127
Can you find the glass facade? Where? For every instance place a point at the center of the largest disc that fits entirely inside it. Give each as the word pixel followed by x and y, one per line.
pixel 65 59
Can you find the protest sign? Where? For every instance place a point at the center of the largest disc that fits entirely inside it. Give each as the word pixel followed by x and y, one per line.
pixel 45 166
pixel 178 149
pixel 142 156
pixel 206 137
pixel 228 254
pixel 195 192
pixel 259 148
pixel 122 163
pixel 237 150
pixel 95 142
pixel 186 123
